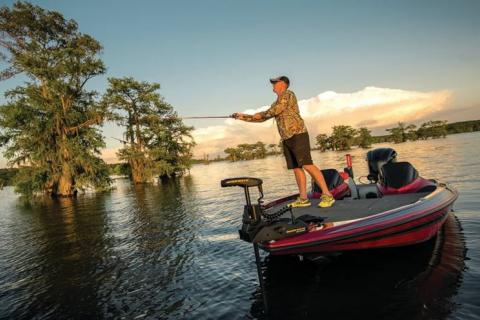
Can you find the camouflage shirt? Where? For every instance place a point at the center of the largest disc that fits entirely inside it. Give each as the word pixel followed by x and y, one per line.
pixel 286 113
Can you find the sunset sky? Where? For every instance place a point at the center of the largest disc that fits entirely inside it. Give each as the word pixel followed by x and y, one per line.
pixel 362 63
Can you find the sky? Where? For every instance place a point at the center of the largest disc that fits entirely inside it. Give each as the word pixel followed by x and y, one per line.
pixel 362 63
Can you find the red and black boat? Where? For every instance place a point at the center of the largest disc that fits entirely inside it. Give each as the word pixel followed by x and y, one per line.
pixel 397 208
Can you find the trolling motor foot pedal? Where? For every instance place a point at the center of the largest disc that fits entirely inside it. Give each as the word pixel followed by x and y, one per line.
pixel 244 182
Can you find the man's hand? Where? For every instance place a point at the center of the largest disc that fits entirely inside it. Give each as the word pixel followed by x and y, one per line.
pixel 238 116
pixel 247 117
pixel 257 116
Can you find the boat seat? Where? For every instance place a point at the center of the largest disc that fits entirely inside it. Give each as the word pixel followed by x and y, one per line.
pixel 376 158
pixel 398 174
pixel 332 178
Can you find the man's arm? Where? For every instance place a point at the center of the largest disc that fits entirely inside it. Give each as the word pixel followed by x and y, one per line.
pixel 277 108
pixel 257 117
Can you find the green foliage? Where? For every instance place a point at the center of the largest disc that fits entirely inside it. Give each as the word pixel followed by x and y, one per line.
pixel 274 149
pixel 233 154
pixel 247 151
pixel 157 143
pixel 323 142
pixel 412 133
pixel 6 176
pixel 30 180
pixel 463 126
pixel 401 133
pixel 364 139
pixel 48 124
pixel 260 149
pixel 119 169
pixel 342 137
pixel 432 129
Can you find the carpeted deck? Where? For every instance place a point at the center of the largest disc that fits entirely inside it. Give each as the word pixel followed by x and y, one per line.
pixel 349 209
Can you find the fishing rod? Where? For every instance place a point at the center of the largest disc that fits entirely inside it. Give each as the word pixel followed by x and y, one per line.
pixel 193 117
pixel 208 117
pixel 123 141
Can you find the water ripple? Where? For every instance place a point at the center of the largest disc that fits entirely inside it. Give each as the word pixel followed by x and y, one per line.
pixel 172 251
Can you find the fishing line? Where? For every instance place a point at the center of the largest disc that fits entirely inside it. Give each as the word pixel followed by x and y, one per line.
pixel 207 117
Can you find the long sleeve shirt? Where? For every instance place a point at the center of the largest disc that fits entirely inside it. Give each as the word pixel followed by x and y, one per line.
pixel 286 113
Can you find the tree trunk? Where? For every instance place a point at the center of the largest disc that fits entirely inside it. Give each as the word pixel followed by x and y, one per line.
pixel 65 183
pixel 137 171
pixel 164 178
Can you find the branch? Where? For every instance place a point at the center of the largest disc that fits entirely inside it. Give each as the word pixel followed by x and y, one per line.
pixel 9 73
pixel 88 77
pixel 6 45
pixel 89 122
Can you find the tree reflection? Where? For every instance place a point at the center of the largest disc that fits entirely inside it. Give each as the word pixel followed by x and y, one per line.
pixel 70 259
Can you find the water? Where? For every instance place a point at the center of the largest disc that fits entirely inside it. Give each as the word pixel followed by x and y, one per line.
pixel 172 251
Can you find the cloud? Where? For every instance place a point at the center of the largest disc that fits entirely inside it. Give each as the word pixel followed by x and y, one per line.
pixel 372 107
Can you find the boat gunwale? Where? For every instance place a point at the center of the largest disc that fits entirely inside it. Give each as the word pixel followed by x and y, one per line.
pixel 351 228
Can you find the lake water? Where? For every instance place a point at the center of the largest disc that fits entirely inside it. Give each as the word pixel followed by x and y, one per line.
pixel 172 252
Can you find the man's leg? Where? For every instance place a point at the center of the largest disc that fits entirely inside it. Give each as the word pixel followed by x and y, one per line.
pixel 317 175
pixel 301 182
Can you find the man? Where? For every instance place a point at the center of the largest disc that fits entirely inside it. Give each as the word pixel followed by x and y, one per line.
pixel 295 140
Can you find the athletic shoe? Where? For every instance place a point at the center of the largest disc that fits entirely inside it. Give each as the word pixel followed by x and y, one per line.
pixel 326 201
pixel 300 203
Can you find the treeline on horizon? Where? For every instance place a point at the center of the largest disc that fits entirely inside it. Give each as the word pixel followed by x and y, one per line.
pixel 344 137
pixel 50 125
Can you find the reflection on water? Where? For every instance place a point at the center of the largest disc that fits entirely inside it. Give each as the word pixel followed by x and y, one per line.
pixel 172 252
pixel 415 282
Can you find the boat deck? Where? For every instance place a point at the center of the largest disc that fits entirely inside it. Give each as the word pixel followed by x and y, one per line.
pixel 350 209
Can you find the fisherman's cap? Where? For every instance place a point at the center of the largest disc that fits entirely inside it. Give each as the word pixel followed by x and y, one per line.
pixel 281 78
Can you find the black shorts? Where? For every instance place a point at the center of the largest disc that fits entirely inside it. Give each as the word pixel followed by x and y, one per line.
pixel 297 150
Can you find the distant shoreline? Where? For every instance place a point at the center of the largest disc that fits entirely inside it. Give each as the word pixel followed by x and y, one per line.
pixel 468 126
pixel 202 162
pixel 7 174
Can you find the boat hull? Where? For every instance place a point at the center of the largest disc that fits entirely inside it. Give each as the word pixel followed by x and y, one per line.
pixel 404 226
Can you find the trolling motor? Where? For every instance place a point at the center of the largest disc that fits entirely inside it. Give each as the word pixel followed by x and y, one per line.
pixel 258 225
pixel 252 216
